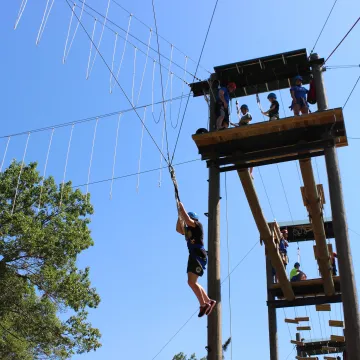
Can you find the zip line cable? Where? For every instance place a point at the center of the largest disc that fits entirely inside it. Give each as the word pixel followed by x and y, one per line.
pixel 197 67
pixel 116 80
pixel 141 22
pixel 187 321
pixel 323 26
pixel 342 40
pixel 351 94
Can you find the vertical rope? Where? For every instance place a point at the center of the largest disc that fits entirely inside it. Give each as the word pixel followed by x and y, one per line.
pixel 123 53
pixel 113 59
pixel 91 46
pixel 44 20
pixel 161 158
pixel 6 149
pixel 91 156
pixel 141 144
pixel 152 93
pixel 146 61
pixel 21 169
pixel 171 95
pixel 45 167
pixel 66 163
pixel 68 33
pixel 133 80
pixel 115 150
pixel 182 92
pixel 101 36
pixel 228 256
pixel 21 10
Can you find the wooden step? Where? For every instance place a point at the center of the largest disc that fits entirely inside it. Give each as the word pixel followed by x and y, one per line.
pixel 291 321
pixel 336 323
pixel 323 307
pixel 304 318
pixel 328 348
pixel 295 342
pixel 337 338
pixel 303 328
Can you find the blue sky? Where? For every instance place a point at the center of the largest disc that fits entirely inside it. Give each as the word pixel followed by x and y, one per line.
pixel 138 263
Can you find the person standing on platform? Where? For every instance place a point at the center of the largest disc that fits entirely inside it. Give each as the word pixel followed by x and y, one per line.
pixel 298 94
pixel 222 105
pixel 296 274
pixel 188 224
pixel 282 247
pixel 273 112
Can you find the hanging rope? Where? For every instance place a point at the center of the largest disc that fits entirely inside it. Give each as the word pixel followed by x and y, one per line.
pixel 66 163
pixel 20 172
pixel 66 54
pixel 115 150
pixel 44 20
pixel 143 74
pixel 6 149
pixel 113 58
pixel 133 80
pixel 182 91
pixel 45 167
pixel 21 10
pixel 152 94
pixel 91 156
pixel 101 36
pixel 91 46
pixel 123 53
pixel 171 90
pixel 140 152
pixel 162 149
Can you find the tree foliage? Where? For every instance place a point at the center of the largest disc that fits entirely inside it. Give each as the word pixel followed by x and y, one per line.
pixel 44 297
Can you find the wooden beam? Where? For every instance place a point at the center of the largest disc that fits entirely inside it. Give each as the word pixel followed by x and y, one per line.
pixel 330 358
pixel 323 307
pixel 336 323
pixel 304 301
pixel 305 318
pixel 295 342
pixel 265 234
pixel 306 358
pixel 337 338
pixel 303 328
pixel 315 212
pixel 330 349
pixel 291 321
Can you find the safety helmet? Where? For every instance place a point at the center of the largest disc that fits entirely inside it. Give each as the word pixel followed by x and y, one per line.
pixel 298 77
pixel 271 96
pixel 244 106
pixel 296 264
pixel 232 85
pixel 193 215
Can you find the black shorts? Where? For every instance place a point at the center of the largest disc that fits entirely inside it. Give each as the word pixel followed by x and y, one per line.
pixel 194 267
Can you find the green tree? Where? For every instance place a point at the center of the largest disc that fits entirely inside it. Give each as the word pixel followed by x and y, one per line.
pixel 44 297
pixel 182 356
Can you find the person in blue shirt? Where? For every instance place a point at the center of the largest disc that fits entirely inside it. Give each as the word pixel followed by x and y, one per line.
pixel 298 94
pixel 188 224
pixel 222 106
pixel 282 247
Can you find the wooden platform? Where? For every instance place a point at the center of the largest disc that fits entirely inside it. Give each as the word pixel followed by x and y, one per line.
pixel 272 141
pixel 321 347
pixel 312 287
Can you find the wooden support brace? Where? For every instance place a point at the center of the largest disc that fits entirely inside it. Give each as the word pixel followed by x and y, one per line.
pixel 265 234
pixel 299 343
pixel 336 323
pixel 337 338
pixel 323 307
pixel 303 328
pixel 291 321
pixel 304 318
pixel 312 199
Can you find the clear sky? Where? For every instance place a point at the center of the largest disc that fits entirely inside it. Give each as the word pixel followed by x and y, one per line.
pixel 138 263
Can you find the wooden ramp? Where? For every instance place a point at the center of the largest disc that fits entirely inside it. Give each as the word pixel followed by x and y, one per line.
pixel 265 234
pixel 272 141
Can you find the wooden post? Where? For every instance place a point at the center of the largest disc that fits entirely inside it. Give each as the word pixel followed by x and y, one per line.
pixel 273 335
pixel 298 338
pixel 347 279
pixel 214 285
pixel 313 200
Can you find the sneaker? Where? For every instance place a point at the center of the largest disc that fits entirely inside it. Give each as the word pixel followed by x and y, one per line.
pixel 204 309
pixel 211 304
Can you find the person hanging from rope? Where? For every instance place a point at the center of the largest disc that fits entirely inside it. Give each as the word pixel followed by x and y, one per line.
pixel 296 274
pixel 188 224
pixel 298 94
pixel 282 247
pixel 273 112
pixel 222 105
pixel 243 115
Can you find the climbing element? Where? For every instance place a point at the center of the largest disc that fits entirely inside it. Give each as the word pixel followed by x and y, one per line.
pixel 291 321
pixel 66 162
pixel 258 102
pixel 21 10
pixel 91 46
pixel 336 323
pixel 303 328
pixel 91 156
pixel 323 307
pixel 305 318
pixel 141 144
pixel 337 338
pixel 115 150
pixel 6 149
